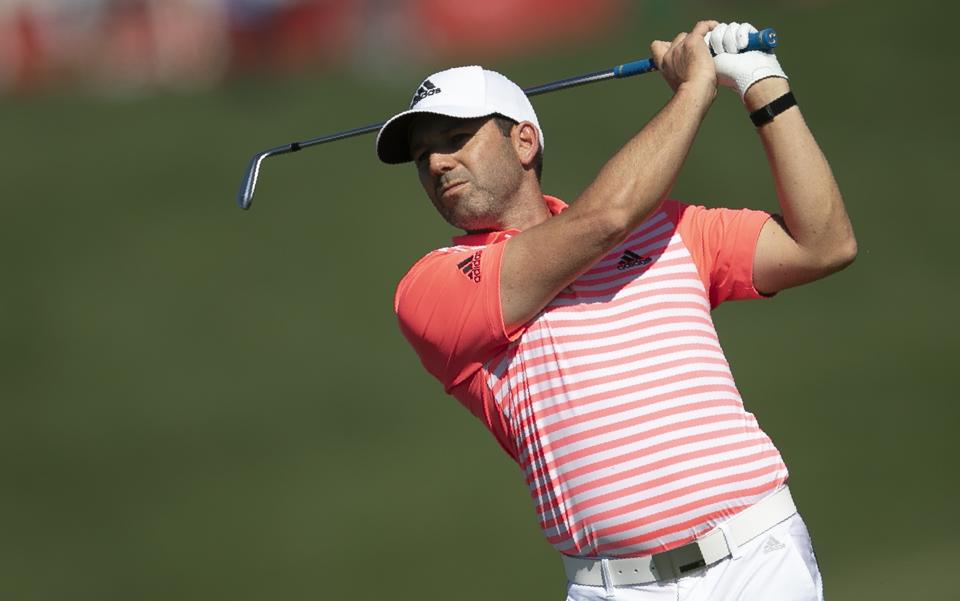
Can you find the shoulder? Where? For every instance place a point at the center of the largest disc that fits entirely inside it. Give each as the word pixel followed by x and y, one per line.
pixel 448 308
pixel 439 257
pixel 439 265
pixel 675 210
pixel 680 211
pixel 696 219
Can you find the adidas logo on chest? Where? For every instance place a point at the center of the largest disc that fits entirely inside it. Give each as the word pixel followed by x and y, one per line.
pixel 631 259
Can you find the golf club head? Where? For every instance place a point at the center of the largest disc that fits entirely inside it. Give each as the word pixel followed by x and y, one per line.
pixel 249 183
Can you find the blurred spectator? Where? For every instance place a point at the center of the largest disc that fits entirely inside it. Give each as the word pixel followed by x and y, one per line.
pixel 112 44
pixel 292 34
pixel 162 43
pixel 143 45
pixel 23 57
pixel 498 27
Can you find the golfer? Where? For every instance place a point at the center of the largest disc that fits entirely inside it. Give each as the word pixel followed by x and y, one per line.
pixel 581 335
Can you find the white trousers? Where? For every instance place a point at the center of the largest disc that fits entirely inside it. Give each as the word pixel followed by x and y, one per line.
pixel 777 565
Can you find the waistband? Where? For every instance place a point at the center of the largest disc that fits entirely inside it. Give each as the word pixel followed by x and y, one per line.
pixel 716 545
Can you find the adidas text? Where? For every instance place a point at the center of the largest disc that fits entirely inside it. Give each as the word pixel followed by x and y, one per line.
pixel 632 259
pixel 427 88
pixel 470 267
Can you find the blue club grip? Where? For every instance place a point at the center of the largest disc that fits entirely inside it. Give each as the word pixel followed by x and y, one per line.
pixel 765 40
pixel 634 68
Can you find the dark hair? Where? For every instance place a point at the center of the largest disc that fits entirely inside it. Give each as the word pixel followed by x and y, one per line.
pixel 506 126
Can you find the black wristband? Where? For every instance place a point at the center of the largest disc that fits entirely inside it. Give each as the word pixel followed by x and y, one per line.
pixel 765 114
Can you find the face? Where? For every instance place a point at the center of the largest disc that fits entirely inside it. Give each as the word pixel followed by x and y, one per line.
pixel 467 167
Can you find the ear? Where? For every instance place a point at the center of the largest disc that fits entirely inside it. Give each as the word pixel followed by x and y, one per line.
pixel 526 142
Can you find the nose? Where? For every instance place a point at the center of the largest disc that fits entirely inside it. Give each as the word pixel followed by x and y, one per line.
pixel 441 162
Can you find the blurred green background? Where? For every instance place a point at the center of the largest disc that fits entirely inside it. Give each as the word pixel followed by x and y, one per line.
pixel 202 403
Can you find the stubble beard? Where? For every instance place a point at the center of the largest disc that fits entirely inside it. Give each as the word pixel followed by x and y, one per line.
pixel 476 210
pixel 481 208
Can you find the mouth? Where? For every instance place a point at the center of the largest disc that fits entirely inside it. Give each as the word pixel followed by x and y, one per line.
pixel 451 187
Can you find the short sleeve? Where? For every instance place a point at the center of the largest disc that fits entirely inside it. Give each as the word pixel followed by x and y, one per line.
pixel 723 243
pixel 448 306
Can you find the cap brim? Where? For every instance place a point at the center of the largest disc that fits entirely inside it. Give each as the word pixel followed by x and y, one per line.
pixel 393 140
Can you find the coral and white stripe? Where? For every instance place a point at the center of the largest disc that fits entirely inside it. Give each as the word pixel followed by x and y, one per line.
pixel 629 427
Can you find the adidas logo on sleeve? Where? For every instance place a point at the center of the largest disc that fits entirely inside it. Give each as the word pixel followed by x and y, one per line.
pixel 470 267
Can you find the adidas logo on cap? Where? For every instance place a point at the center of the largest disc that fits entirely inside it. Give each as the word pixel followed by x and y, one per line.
pixel 427 88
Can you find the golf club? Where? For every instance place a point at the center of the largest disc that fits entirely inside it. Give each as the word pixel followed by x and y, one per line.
pixel 765 40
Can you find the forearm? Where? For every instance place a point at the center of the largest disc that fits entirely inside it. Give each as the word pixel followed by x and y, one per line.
pixel 628 188
pixel 638 177
pixel 810 201
pixel 539 262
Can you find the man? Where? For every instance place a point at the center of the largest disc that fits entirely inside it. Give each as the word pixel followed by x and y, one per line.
pixel 581 336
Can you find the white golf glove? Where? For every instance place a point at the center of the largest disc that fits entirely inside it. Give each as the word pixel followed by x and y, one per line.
pixel 738 70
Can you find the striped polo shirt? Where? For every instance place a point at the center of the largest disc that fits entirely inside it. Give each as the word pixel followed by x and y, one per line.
pixel 616 400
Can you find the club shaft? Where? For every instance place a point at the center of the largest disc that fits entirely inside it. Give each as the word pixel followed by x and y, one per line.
pixel 765 40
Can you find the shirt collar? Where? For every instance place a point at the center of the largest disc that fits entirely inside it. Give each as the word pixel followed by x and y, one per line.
pixel 553 203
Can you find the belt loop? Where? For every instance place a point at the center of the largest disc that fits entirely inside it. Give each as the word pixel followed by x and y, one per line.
pixel 731 544
pixel 609 588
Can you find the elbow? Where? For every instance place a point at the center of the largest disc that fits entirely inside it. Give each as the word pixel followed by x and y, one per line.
pixel 845 246
pixel 615 228
pixel 606 228
pixel 843 254
pixel 849 252
pixel 614 223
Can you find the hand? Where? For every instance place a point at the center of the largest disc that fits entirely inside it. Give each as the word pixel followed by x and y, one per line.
pixel 740 70
pixel 685 60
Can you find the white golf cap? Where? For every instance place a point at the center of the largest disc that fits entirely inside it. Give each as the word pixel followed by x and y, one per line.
pixel 463 92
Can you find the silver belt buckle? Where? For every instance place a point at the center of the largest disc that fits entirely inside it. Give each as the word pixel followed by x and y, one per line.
pixel 675 563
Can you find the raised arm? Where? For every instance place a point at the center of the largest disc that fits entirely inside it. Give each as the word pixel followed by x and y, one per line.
pixel 812 237
pixel 543 260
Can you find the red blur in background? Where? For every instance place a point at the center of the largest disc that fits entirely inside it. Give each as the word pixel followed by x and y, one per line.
pixel 498 27
pixel 142 45
pixel 299 35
